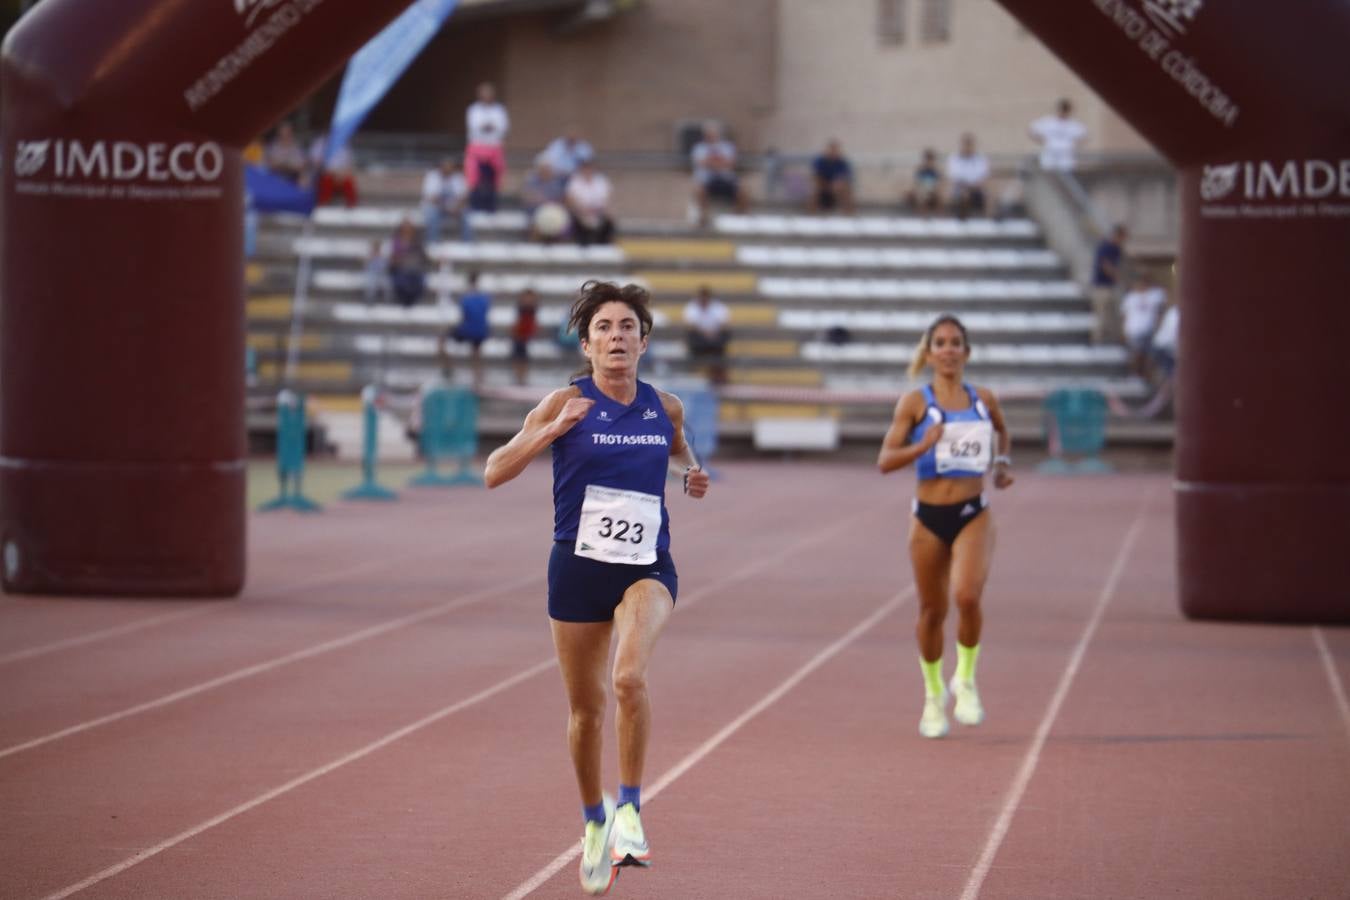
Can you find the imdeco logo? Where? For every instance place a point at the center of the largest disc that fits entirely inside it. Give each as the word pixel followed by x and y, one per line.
pixel 30 157
pixel 183 163
pixel 1291 179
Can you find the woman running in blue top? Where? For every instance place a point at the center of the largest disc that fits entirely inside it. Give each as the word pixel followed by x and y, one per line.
pixel 614 439
pixel 954 433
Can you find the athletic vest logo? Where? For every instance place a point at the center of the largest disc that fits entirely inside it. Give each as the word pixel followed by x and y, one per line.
pixel 604 416
pixel 649 414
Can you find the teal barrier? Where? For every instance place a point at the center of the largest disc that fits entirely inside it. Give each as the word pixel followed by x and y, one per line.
pixel 449 431
pixel 369 488
pixel 290 455
pixel 1075 426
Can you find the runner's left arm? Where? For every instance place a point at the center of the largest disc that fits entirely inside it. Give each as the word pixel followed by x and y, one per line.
pixel 682 457
pixel 1003 456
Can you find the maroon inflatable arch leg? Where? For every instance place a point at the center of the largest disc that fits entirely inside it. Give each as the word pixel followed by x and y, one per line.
pixel 121 304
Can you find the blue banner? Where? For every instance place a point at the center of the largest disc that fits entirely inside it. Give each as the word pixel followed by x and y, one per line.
pixel 267 192
pixel 377 65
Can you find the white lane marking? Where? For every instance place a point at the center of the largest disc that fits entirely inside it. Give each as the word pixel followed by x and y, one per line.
pixel 111 632
pixel 219 605
pixel 538 879
pixel 249 671
pixel 543 666
pixel 1029 762
pixel 309 776
pixel 1333 676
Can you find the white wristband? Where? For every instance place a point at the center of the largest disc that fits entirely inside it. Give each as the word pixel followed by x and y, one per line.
pixel 1002 460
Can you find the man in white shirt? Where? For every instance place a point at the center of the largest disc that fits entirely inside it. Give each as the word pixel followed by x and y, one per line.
pixel 1139 311
pixel 1058 136
pixel 1165 342
pixel 563 154
pixel 587 198
pixel 707 338
pixel 967 172
pixel 714 162
pixel 444 193
pixel 487 124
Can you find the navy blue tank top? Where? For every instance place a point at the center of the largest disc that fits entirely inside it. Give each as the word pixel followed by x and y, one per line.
pixel 615 446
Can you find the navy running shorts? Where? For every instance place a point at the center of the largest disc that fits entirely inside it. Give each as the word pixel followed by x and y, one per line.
pixel 587 590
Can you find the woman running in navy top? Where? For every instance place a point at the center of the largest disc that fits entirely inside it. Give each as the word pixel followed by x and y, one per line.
pixel 614 438
pixel 954 433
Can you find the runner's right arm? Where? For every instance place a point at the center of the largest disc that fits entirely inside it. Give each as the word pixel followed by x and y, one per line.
pixel 895 452
pixel 551 419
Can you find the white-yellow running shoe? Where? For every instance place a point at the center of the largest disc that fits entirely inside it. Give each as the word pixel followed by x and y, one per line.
pixel 630 843
pixel 597 873
pixel 968 709
pixel 933 723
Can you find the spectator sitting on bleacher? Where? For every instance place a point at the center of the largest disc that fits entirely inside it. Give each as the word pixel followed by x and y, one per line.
pixel 339 174
pixel 472 328
pixel 967 173
pixel 284 156
pixel 587 200
pixel 833 180
pixel 486 123
pixel 377 274
pixel 1139 311
pixel 707 338
pixel 565 153
pixel 407 264
pixel 445 195
pixel 714 162
pixel 925 194
pixel 1165 342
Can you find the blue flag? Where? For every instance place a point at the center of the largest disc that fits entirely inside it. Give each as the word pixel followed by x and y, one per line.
pixel 377 65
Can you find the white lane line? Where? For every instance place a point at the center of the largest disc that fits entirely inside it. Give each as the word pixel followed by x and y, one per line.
pixel 249 671
pixel 372 631
pixel 1029 762
pixel 543 666
pixel 309 776
pixel 1333 676
pixel 221 605
pixel 538 879
pixel 112 632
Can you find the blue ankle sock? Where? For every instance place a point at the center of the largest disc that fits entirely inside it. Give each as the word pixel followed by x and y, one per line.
pixel 594 813
pixel 629 793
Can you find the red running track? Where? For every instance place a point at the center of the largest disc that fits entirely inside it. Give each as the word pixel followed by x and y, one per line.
pixel 379 715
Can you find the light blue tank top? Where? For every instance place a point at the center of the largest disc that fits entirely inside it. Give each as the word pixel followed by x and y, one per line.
pixel 616 446
pixel 926 466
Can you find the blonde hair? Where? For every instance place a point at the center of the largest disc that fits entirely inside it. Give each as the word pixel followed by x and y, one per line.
pixel 920 358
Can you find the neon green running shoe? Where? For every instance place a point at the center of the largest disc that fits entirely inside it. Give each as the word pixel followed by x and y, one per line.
pixel 968 709
pixel 630 843
pixel 933 723
pixel 597 874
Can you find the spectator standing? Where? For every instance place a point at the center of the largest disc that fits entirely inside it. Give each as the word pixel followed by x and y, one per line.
pixel 832 175
pixel 407 264
pixel 1058 137
pixel 337 174
pixel 487 124
pixel 587 199
pixel 472 328
pixel 1165 342
pixel 565 153
pixel 523 331
pixel 377 274
pixel 445 194
pixel 925 194
pixel 707 319
pixel 284 156
pixel 1139 309
pixel 968 176
pixel 714 162
pixel 1106 278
